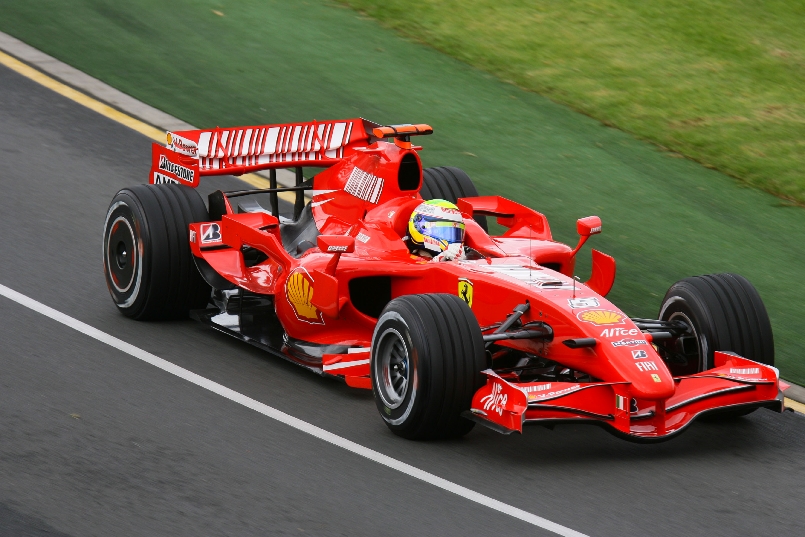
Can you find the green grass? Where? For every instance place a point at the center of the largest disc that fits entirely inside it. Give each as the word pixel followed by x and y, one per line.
pixel 721 81
pixel 665 218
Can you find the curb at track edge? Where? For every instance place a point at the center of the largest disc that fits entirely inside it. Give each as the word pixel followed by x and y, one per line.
pixel 154 122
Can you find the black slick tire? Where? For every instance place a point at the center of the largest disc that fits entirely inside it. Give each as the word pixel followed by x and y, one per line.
pixel 449 183
pixel 427 358
pixel 725 313
pixel 147 262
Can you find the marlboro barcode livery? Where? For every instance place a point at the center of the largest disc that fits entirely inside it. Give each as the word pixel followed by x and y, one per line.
pixel 192 154
pixel 388 279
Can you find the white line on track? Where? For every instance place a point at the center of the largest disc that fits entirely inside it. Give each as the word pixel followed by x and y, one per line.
pixel 287 419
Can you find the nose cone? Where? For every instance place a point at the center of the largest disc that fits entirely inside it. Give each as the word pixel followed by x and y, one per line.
pixel 652 384
pixel 634 359
pixel 645 370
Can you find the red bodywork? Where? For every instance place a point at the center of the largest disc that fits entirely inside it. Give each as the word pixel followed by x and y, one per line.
pixel 361 205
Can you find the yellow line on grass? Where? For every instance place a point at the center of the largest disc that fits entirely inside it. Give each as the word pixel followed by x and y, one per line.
pixel 112 113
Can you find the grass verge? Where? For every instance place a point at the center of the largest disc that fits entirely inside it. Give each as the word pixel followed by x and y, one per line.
pixel 721 81
pixel 250 62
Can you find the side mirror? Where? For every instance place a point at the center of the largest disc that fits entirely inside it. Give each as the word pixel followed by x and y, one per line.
pixel 587 226
pixel 591 225
pixel 336 244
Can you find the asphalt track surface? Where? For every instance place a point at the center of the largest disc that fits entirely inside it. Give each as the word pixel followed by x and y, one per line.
pixel 96 442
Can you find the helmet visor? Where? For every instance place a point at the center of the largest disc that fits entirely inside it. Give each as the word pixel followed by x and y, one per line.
pixel 450 232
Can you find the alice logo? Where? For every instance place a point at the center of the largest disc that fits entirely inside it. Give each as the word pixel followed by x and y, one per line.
pixel 495 400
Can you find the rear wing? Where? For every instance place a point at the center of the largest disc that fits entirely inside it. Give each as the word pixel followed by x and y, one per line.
pixel 191 154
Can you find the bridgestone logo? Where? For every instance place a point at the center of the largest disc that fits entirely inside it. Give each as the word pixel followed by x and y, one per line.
pixel 185 174
pixel 364 185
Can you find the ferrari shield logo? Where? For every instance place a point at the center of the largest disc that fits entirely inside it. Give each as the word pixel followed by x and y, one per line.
pixel 465 291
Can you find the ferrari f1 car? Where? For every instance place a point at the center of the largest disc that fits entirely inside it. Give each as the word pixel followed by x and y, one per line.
pixel 504 337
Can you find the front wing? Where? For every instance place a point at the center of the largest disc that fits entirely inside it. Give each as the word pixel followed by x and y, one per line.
pixel 735 383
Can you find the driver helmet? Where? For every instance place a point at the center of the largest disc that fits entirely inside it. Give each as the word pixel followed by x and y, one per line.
pixel 434 226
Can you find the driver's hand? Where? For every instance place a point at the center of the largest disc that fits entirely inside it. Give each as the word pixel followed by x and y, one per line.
pixel 454 251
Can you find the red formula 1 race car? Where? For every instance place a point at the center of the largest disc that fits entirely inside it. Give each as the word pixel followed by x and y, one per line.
pixel 503 335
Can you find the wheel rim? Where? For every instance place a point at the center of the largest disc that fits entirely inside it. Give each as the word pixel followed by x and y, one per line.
pixel 701 346
pixel 393 371
pixel 120 254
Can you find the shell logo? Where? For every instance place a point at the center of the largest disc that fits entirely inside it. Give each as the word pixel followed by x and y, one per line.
pixel 299 290
pixel 601 317
pixel 170 138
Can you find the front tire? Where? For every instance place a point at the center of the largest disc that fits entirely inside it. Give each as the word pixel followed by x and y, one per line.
pixel 147 262
pixel 427 358
pixel 723 312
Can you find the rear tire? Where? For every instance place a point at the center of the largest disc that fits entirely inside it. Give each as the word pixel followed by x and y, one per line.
pixel 427 358
pixel 147 261
pixel 724 313
pixel 449 183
